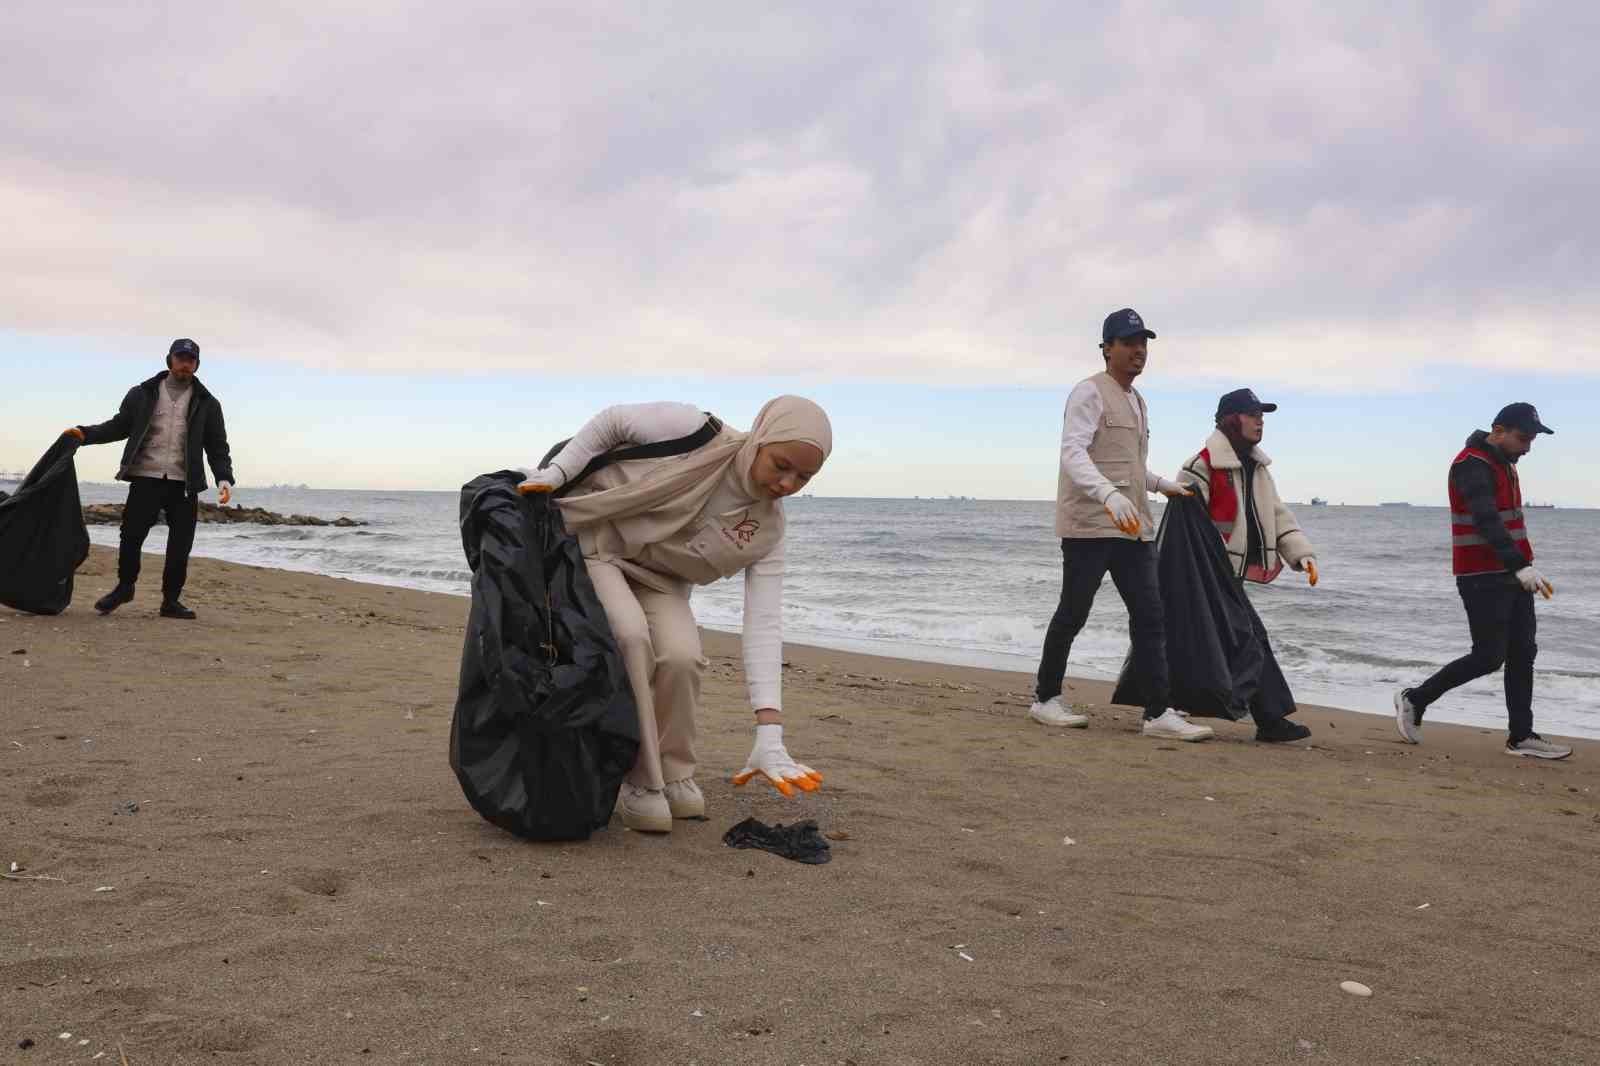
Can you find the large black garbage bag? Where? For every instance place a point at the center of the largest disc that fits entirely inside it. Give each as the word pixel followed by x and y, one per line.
pixel 545 723
pixel 1217 648
pixel 43 540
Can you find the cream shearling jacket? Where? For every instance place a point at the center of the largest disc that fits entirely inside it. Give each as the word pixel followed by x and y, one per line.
pixel 1220 482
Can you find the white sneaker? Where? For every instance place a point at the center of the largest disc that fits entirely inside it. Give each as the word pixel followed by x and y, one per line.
pixel 1172 725
pixel 685 800
pixel 1536 747
pixel 644 809
pixel 1405 717
pixel 1051 712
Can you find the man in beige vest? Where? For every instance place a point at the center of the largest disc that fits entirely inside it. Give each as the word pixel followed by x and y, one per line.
pixel 1103 519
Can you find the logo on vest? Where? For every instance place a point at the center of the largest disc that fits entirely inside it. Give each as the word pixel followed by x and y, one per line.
pixel 742 531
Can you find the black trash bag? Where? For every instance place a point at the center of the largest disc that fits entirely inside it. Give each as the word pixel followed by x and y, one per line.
pixel 1218 653
pixel 545 723
pixel 43 540
pixel 800 841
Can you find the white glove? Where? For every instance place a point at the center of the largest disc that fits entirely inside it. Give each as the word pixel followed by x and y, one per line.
pixel 224 492
pixel 1172 489
pixel 549 479
pixel 1533 581
pixel 1123 513
pixel 771 760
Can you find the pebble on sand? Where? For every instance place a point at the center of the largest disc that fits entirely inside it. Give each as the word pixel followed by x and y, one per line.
pixel 1355 988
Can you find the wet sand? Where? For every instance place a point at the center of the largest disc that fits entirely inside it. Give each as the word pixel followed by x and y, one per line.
pixel 302 881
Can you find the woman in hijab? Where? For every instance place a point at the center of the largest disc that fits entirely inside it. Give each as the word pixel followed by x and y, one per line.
pixel 651 529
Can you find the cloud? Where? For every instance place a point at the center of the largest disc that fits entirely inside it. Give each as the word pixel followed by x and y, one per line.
pixel 920 192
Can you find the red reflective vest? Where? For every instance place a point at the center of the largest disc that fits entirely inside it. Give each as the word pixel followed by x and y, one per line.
pixel 1469 552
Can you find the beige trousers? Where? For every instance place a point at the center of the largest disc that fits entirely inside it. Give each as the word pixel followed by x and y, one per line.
pixel 660 646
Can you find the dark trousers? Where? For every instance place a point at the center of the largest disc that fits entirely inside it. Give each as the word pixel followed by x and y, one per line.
pixel 1504 632
pixel 1132 563
pixel 148 497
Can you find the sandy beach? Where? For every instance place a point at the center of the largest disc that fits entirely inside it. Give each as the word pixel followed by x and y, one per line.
pixel 301 880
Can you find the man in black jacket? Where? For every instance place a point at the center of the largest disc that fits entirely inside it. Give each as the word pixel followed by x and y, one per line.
pixel 167 421
pixel 1492 556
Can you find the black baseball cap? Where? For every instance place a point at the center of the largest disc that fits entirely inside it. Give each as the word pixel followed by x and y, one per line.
pixel 1124 323
pixel 184 346
pixel 1523 416
pixel 1242 402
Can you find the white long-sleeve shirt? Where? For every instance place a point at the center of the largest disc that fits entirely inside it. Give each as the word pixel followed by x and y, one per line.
pixel 1085 408
pixel 648 423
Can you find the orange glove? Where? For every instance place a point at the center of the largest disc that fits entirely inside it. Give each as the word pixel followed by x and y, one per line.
pixel 1123 513
pixel 224 492
pixel 1534 581
pixel 1309 565
pixel 73 431
pixel 547 480
pixel 771 760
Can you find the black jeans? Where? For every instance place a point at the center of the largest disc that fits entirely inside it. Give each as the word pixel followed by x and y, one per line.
pixel 1132 564
pixel 148 497
pixel 1504 632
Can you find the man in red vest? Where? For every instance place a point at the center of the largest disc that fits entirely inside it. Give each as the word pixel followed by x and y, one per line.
pixel 1493 562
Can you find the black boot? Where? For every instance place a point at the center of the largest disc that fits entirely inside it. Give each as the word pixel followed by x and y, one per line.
pixel 174 609
pixel 114 599
pixel 1281 731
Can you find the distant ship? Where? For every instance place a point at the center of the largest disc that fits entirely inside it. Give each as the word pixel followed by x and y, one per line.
pixel 1395 503
pixel 1539 506
pixel 1318 501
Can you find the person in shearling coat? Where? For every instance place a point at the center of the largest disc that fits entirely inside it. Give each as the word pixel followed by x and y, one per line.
pixel 1234 478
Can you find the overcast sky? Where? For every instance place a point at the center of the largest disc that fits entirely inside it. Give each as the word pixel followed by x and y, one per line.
pixel 1349 204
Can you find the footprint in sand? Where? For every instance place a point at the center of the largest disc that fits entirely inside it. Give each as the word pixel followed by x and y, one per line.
pixel 60 791
pixel 323 882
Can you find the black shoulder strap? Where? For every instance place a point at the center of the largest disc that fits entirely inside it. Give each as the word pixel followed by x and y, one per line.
pixel 659 450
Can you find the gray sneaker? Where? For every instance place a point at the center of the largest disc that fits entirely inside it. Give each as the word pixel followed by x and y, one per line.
pixel 1405 718
pixel 1536 747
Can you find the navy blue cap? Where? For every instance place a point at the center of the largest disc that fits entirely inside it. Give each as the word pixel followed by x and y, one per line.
pixel 184 346
pixel 1242 402
pixel 1124 323
pixel 1523 416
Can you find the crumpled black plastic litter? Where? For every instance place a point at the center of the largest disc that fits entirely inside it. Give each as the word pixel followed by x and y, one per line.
pixel 800 841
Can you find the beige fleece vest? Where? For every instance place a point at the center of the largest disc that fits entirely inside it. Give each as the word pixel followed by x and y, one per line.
pixel 164 453
pixel 1120 450
pixel 710 547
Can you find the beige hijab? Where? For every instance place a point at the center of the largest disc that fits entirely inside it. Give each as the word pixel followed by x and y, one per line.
pixel 670 494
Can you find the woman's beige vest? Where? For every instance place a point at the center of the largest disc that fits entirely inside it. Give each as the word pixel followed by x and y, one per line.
pixel 1120 450
pixel 710 547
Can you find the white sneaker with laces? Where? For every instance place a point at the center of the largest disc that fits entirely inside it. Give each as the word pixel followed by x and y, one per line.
pixel 644 809
pixel 1405 718
pixel 684 799
pixel 1051 712
pixel 1174 725
pixel 1536 747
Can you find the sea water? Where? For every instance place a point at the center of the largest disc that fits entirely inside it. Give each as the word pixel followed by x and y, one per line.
pixel 974 582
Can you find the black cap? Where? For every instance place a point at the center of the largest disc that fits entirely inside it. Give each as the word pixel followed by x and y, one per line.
pixel 184 346
pixel 1242 402
pixel 1124 323
pixel 1523 416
